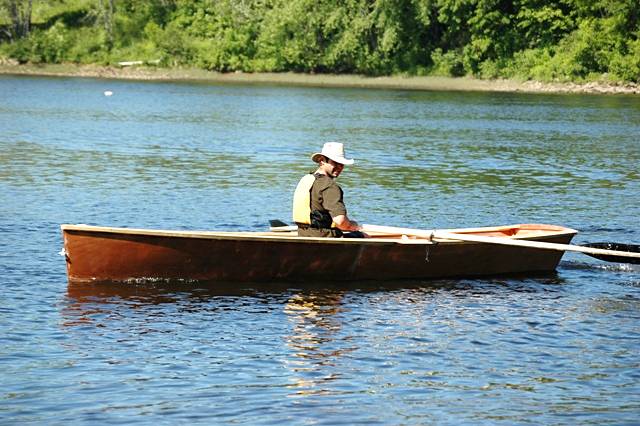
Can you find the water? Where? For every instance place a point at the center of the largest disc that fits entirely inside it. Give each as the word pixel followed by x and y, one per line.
pixel 557 349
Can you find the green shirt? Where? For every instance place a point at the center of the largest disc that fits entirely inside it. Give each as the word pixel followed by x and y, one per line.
pixel 326 197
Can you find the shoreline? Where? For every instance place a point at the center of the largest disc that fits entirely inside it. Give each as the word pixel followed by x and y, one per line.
pixel 151 73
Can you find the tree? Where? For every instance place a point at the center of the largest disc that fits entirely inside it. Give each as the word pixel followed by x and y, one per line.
pixel 19 12
pixel 107 9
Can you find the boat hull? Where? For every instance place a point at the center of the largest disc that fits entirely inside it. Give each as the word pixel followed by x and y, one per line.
pixel 95 254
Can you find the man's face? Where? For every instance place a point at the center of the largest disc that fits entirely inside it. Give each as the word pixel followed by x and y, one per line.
pixel 332 168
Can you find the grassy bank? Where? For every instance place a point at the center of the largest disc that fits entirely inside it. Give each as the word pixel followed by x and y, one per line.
pixel 315 80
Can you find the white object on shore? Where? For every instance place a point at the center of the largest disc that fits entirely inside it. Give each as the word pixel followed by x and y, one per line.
pixel 132 63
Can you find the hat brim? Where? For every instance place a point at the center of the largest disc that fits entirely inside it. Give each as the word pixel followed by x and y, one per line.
pixel 346 161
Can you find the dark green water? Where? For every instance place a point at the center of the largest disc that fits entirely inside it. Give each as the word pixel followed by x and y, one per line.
pixel 558 349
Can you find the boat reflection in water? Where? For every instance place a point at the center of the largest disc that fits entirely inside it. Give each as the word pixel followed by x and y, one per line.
pixel 317 341
pixel 320 340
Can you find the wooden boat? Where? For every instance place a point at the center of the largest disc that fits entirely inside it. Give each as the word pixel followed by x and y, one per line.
pixel 103 254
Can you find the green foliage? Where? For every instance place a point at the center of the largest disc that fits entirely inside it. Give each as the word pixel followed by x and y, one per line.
pixel 287 42
pixel 586 51
pixel 48 46
pixel 214 35
pixel 542 25
pixel 87 47
pixel 548 40
pixel 528 64
pixel 626 66
pixel 447 64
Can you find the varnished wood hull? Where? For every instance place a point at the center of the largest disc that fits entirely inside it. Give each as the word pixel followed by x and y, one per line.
pixel 96 254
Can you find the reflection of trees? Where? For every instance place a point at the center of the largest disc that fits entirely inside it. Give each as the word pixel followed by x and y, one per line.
pixel 315 339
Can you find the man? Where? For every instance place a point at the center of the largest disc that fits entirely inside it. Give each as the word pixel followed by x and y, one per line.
pixel 318 208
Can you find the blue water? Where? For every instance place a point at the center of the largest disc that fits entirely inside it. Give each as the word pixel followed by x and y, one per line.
pixel 560 349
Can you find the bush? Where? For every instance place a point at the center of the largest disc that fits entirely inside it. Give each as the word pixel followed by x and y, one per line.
pixel 173 47
pixel 19 50
pixel 87 47
pixel 626 67
pixel 447 64
pixel 530 64
pixel 491 69
pixel 586 51
pixel 43 46
pixel 216 55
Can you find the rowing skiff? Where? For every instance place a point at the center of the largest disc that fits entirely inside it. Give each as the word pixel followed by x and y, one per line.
pixel 105 254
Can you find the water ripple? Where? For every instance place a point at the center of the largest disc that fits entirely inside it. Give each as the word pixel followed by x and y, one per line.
pixel 553 349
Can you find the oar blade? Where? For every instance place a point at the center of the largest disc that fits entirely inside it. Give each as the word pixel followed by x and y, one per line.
pixel 274 223
pixel 631 248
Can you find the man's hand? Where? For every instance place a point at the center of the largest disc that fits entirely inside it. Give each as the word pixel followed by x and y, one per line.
pixel 345 224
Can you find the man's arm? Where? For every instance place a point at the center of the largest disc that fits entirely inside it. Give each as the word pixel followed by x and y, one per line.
pixel 345 224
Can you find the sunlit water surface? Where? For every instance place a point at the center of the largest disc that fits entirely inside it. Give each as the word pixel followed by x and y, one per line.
pixel 558 349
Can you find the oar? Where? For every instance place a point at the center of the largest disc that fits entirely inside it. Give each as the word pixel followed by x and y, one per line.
pixel 629 248
pixel 621 253
pixel 609 252
pixel 276 225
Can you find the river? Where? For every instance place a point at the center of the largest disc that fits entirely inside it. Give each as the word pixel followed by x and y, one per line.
pixel 559 349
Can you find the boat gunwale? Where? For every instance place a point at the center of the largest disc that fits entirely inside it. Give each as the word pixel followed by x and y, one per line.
pixel 227 235
pixel 553 231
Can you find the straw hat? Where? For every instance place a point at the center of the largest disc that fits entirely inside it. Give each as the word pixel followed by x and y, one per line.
pixel 333 151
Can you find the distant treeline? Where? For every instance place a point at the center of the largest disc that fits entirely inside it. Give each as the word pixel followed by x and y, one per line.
pixel 546 40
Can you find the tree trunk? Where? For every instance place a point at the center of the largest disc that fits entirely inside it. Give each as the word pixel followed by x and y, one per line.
pixel 20 14
pixel 107 10
pixel 26 19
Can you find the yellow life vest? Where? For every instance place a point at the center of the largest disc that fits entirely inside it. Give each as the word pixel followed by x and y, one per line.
pixel 302 201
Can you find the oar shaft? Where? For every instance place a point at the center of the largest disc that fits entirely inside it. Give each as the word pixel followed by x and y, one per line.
pixel 532 244
pixel 494 240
